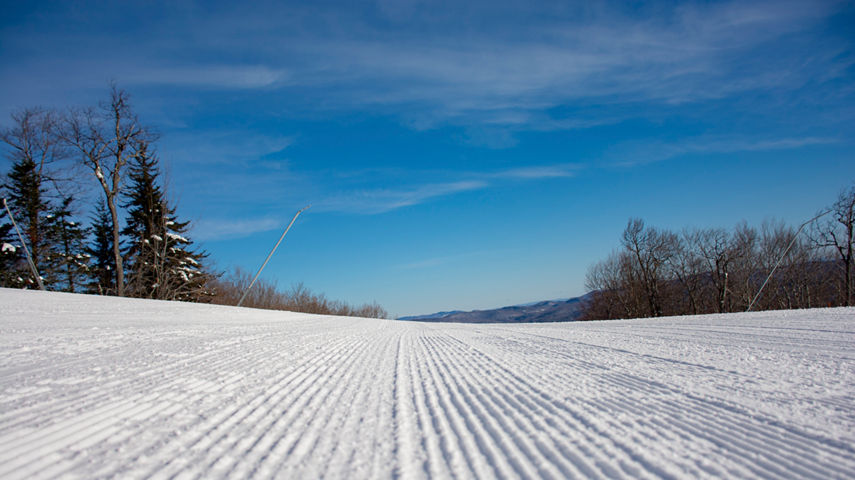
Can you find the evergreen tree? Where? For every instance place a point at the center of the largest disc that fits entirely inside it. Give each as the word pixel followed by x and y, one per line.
pixel 144 203
pixel 34 149
pixel 69 262
pixel 27 201
pixel 12 260
pixel 102 266
pixel 161 262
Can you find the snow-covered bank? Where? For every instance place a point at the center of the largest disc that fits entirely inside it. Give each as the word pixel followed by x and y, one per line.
pixel 105 387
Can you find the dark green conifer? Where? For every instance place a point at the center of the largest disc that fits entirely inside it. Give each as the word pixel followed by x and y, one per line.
pixel 68 263
pixel 160 260
pixel 28 203
pixel 12 262
pixel 102 264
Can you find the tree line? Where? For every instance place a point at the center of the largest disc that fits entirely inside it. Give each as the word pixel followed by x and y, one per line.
pixel 134 244
pixel 266 294
pixel 659 272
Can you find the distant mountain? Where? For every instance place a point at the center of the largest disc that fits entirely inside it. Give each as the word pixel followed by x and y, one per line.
pixel 432 316
pixel 547 311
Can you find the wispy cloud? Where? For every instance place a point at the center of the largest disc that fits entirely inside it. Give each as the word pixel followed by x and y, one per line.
pixel 216 76
pixel 383 200
pixel 374 201
pixel 225 229
pixel 228 147
pixel 690 53
pixel 427 64
pixel 539 172
pixel 638 153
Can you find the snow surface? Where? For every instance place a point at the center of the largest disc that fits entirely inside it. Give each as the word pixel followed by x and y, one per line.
pixel 94 387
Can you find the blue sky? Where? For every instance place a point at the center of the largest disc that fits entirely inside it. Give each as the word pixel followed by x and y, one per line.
pixel 458 156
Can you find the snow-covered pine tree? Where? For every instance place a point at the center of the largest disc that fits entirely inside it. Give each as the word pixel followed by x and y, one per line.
pixel 161 262
pixel 68 263
pixel 11 258
pixel 34 149
pixel 102 266
pixel 144 208
pixel 28 202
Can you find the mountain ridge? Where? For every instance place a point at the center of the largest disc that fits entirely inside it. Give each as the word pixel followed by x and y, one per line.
pixel 562 310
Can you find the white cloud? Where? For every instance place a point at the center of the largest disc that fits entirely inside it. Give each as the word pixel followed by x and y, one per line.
pixel 218 76
pixel 385 200
pixel 224 229
pixel 426 63
pixel 539 172
pixel 637 153
pixel 228 147
pixel 691 53
pixel 374 201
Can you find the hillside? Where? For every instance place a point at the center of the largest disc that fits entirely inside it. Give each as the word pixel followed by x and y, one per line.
pixel 95 387
pixel 538 312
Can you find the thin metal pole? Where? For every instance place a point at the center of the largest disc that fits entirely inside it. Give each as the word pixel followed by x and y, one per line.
pixel 271 254
pixel 24 244
pixel 750 305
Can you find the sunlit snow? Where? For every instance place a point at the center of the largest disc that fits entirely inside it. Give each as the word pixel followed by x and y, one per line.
pixel 96 387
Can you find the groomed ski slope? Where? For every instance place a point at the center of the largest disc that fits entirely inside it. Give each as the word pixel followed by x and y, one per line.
pixel 95 387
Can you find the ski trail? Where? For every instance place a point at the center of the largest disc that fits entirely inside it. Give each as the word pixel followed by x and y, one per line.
pixel 773 449
pixel 115 388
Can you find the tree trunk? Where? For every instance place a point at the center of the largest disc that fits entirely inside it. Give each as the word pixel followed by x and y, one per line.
pixel 847 275
pixel 117 253
pixel 66 249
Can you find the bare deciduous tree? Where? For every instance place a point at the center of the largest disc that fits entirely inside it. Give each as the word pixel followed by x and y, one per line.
pixel 265 294
pixel 798 278
pixel 686 265
pixel 607 281
pixel 744 266
pixel 34 136
pixel 106 138
pixel 838 234
pixel 35 151
pixel 714 270
pixel 714 247
pixel 651 250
